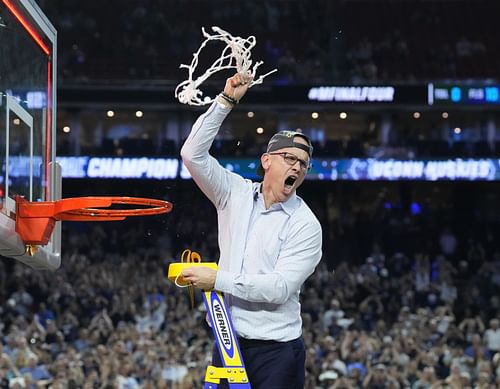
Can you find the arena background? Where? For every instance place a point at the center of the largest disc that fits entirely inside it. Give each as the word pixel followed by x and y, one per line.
pixel 401 99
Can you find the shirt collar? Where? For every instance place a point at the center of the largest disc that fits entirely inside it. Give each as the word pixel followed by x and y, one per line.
pixel 289 206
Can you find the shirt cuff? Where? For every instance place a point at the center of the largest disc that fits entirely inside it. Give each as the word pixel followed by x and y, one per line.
pixel 225 105
pixel 224 281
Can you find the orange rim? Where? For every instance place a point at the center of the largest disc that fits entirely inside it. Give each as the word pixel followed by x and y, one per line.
pixel 35 221
pixel 78 208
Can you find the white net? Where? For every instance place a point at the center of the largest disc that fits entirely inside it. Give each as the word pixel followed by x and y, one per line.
pixel 236 55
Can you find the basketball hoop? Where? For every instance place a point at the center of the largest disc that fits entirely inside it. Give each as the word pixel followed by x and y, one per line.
pixel 35 221
pixel 236 55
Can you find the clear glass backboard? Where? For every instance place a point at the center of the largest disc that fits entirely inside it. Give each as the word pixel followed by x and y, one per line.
pixel 27 123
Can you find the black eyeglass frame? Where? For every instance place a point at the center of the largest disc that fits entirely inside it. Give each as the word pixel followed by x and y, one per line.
pixel 291 159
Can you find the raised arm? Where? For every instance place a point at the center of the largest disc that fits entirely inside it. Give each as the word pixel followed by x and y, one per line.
pixel 212 178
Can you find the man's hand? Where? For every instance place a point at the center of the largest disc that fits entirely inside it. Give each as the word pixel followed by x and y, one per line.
pixel 200 277
pixel 237 85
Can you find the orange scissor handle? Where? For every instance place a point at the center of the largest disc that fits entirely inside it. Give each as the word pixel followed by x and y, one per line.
pixel 188 259
pixel 189 256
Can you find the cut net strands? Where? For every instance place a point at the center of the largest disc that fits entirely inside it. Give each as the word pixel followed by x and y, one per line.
pixel 236 55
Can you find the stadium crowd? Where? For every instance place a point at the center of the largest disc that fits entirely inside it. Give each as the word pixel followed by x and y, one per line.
pixel 333 41
pixel 415 304
pixel 405 297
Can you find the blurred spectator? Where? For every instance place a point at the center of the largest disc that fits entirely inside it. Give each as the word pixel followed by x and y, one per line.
pixel 492 336
pixel 426 380
pixel 36 370
pixel 377 377
pixel 448 243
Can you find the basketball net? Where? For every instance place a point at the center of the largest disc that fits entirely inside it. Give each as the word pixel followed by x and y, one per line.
pixel 236 55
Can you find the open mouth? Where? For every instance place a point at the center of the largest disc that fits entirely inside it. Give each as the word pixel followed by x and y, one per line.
pixel 290 181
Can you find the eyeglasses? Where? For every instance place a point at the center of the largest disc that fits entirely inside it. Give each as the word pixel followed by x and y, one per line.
pixel 291 160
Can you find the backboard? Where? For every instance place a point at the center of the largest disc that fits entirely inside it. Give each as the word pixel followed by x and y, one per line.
pixel 28 59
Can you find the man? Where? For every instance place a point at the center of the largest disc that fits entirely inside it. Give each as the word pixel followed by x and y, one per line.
pixel 270 243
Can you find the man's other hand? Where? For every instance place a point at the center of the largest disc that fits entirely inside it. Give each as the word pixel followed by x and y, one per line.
pixel 200 277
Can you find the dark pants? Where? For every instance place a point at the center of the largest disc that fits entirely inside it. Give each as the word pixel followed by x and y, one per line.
pixel 277 365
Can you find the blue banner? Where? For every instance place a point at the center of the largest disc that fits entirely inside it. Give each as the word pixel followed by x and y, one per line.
pixel 354 169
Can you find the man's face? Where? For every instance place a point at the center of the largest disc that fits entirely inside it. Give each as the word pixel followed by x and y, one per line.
pixel 282 177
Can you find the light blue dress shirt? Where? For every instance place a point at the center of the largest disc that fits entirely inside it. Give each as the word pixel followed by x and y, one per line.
pixel 265 254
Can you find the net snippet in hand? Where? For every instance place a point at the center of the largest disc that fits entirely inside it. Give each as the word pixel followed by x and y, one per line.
pixel 236 55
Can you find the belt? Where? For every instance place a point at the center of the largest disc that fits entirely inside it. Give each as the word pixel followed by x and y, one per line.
pixel 251 343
